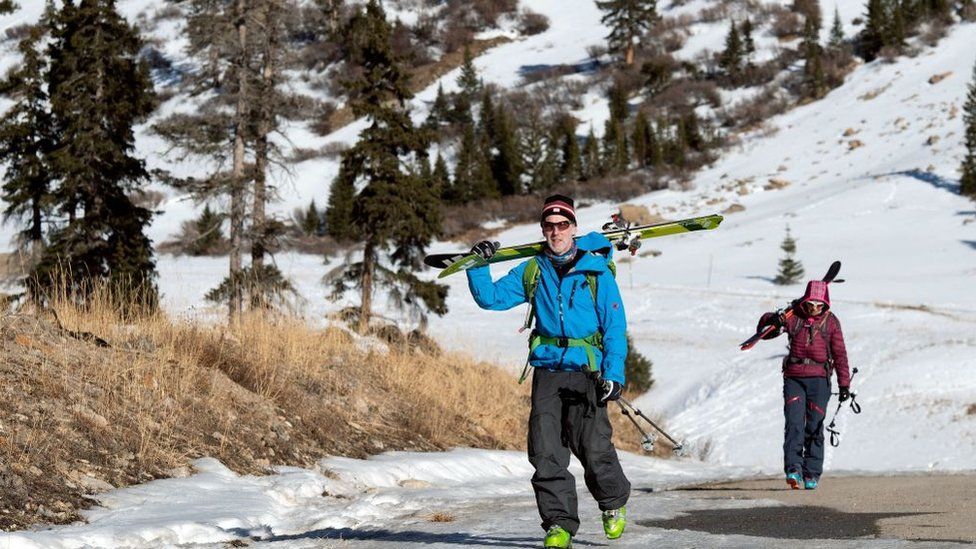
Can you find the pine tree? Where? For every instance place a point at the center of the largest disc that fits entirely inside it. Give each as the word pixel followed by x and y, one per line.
pixel 469 84
pixel 790 270
pixel 272 30
pixel 472 173
pixel 873 37
pixel 209 235
pixel 312 220
pixel 395 207
pixel 570 162
pixel 837 37
pixel 26 142
pixel 219 40
pixel 813 76
pixel 897 20
pixel 441 178
pixel 538 155
pixel 7 6
pixel 99 89
pixel 615 154
pixel 440 111
pixel 968 180
pixel 628 20
pixel 639 139
pixel 655 154
pixel 619 107
pixel 342 194
pixel 506 164
pixel 748 44
pixel 468 80
pixel 689 132
pixel 731 59
pixel 637 369
pixel 591 165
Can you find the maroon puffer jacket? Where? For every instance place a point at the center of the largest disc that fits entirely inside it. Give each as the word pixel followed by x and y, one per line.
pixel 810 338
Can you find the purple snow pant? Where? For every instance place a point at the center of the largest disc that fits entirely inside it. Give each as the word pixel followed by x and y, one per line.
pixel 566 418
pixel 805 405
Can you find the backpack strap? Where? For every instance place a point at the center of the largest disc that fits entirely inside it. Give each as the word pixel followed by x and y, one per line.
pixel 530 282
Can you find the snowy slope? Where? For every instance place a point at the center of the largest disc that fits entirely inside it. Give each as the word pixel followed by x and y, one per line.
pixel 889 209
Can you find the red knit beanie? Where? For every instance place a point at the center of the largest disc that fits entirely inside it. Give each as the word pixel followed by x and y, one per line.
pixel 558 204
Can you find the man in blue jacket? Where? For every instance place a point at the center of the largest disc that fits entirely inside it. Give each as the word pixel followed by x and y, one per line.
pixel 579 338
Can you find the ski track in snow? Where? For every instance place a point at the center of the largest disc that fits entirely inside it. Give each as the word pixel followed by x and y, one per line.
pixel 889 210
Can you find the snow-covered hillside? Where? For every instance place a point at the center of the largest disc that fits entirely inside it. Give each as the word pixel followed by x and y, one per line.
pixel 872 180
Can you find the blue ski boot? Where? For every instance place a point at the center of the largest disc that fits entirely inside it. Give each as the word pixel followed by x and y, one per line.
pixel 793 479
pixel 810 484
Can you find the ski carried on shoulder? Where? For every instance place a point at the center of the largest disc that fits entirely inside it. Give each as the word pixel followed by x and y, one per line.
pixel 787 313
pixel 621 234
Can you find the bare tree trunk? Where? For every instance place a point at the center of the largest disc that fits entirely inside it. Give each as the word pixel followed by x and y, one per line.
pixel 369 266
pixel 267 98
pixel 237 175
pixel 629 56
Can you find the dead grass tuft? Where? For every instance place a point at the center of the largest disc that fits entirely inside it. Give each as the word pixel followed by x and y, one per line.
pixel 441 517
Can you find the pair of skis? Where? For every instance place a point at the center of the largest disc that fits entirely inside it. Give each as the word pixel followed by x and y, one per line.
pixel 622 234
pixel 787 313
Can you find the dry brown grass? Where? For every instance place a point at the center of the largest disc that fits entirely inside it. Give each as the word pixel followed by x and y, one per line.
pixel 267 391
pixel 78 417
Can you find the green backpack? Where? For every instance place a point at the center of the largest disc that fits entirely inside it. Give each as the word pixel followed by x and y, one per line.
pixel 530 281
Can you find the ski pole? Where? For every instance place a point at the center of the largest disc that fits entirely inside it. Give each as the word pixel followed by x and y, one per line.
pixel 855 408
pixel 677 445
pixel 647 439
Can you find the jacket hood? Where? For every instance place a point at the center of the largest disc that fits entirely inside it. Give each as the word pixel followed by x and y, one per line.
pixel 595 242
pixel 817 291
pixel 601 252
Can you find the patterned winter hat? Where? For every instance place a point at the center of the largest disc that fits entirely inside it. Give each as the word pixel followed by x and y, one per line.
pixel 558 204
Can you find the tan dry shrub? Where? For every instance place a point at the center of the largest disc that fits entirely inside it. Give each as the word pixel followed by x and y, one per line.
pixel 267 390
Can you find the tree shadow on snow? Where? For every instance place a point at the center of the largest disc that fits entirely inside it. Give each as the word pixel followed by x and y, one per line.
pixel 405 536
pixel 547 71
pixel 770 279
pixel 936 181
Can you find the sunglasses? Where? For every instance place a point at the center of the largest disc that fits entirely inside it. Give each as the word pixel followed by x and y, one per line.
pixel 548 227
pixel 813 305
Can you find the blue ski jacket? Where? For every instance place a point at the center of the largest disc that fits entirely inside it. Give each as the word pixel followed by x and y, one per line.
pixel 565 308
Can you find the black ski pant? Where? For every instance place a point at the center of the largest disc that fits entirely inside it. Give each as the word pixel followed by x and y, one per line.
pixel 566 418
pixel 805 405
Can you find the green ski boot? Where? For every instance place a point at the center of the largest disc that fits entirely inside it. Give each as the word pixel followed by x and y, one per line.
pixel 557 537
pixel 614 522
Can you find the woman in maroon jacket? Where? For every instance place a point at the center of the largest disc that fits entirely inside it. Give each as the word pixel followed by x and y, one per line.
pixel 816 349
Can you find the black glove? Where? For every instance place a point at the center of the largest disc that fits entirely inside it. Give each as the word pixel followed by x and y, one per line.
pixel 485 249
pixel 610 391
pixel 770 319
pixel 845 393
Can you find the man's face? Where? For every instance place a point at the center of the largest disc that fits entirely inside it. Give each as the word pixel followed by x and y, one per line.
pixel 558 231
